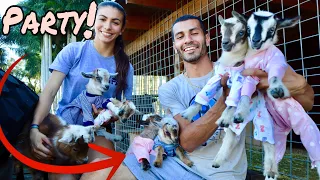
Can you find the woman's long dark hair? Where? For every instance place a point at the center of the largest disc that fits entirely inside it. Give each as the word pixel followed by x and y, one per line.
pixel 121 58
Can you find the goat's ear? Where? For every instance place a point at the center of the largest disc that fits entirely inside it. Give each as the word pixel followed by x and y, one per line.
pixel 221 20
pixel 137 112
pixel 113 74
pixel 115 101
pixel 287 22
pixel 66 139
pixel 87 75
pixel 240 17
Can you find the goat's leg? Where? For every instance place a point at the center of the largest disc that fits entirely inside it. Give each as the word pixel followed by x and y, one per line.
pixel 228 144
pixel 181 155
pixel 227 117
pixel 191 111
pixel 243 109
pixel 277 89
pixel 104 117
pixel 115 109
pixel 145 165
pixel 270 164
pixel 102 132
pixel 159 159
pixel 318 168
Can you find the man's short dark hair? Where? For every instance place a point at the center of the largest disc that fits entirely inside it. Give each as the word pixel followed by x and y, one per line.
pixel 185 18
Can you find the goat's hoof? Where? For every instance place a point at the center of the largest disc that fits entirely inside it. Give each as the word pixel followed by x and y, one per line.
pixel 118 139
pixel 189 163
pixel 145 165
pixel 277 92
pixel 215 165
pixel 222 124
pixel 164 156
pixel 121 112
pixel 157 164
pixel 238 118
pixel 270 175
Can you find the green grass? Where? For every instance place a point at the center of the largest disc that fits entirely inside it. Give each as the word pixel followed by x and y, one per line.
pixel 300 164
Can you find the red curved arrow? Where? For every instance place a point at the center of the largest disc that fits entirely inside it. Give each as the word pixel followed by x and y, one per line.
pixel 114 161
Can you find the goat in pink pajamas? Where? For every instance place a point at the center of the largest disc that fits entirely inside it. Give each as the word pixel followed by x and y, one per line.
pixel 287 112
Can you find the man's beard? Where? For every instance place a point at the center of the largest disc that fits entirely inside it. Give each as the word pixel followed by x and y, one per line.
pixel 194 58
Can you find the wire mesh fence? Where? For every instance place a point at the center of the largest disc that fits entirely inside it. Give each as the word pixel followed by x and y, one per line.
pixel 155 62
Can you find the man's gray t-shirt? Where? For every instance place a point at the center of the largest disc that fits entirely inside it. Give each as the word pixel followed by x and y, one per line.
pixel 177 95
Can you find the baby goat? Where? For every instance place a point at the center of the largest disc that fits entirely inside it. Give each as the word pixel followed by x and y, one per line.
pixel 70 143
pixel 79 111
pixel 287 113
pixel 234 46
pixel 162 135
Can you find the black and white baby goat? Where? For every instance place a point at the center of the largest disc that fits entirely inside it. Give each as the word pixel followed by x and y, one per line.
pixel 286 112
pixel 80 111
pixel 234 46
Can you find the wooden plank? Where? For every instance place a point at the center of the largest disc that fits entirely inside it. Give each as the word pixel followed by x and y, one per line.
pixel 160 4
pixel 137 22
pixel 164 26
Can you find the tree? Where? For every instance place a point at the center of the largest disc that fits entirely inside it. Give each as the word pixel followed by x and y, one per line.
pixel 31 44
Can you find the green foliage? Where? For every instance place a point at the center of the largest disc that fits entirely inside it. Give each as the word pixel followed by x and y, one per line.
pixel 31 44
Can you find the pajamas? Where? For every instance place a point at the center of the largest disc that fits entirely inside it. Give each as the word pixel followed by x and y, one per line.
pixel 262 121
pixel 287 113
pixel 142 148
pixel 214 85
pixel 169 149
pixel 261 118
pixel 79 111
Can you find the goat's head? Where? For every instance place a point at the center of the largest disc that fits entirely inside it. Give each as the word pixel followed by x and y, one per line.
pixel 233 31
pixel 169 132
pixel 99 80
pixel 127 107
pixel 148 119
pixel 262 28
pixel 73 142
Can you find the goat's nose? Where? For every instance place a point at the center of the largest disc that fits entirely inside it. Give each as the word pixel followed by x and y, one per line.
pixel 225 42
pixel 256 39
pixel 107 87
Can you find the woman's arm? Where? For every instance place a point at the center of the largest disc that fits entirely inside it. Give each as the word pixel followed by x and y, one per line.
pixel 298 87
pixel 45 100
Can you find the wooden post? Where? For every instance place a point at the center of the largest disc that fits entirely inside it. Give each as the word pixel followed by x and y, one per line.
pixel 46 52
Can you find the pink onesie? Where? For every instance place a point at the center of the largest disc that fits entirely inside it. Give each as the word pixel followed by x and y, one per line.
pixel 287 113
pixel 142 148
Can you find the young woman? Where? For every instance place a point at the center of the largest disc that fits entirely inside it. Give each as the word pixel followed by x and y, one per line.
pixel 106 50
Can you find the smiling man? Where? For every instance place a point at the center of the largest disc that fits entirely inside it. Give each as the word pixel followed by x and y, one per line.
pixel 202 138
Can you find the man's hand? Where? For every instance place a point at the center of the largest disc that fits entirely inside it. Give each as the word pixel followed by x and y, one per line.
pixel 297 85
pixel 224 85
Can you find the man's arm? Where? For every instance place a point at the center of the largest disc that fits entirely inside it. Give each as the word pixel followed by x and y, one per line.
pixel 299 89
pixel 192 135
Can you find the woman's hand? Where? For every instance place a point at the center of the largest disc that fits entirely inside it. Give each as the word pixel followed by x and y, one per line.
pixel 40 151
